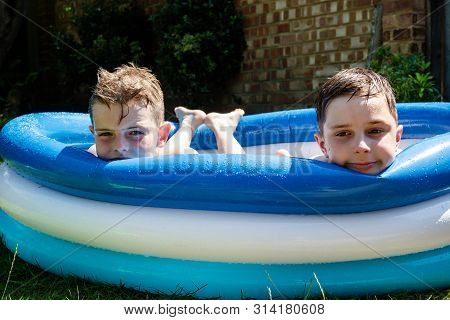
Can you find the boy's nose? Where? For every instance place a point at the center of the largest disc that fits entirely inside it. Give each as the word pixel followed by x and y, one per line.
pixel 362 146
pixel 121 144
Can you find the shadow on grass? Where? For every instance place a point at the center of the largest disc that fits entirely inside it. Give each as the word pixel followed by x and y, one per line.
pixel 21 285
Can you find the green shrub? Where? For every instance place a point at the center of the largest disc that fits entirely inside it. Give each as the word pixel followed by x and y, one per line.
pixel 201 45
pixel 408 75
pixel 108 33
pixel 16 90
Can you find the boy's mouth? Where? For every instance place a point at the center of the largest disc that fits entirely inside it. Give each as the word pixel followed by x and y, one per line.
pixel 362 166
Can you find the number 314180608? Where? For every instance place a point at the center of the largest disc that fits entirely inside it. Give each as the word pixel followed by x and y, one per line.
pixel 288 308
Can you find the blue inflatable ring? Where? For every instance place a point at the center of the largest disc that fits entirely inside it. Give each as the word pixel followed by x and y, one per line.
pixel 232 225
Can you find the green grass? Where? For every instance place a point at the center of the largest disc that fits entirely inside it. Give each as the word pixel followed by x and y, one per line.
pixel 20 280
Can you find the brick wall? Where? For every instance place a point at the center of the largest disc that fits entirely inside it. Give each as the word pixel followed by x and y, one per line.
pixel 294 45
pixel 404 25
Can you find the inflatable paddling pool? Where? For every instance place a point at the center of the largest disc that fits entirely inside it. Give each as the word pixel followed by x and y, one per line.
pixel 231 226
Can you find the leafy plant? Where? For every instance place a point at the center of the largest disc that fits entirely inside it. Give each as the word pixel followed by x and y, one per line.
pixel 408 75
pixel 201 46
pixel 16 90
pixel 101 33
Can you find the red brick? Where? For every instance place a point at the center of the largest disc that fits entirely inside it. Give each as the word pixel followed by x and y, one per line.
pixel 350 30
pixel 247 66
pixel 308 84
pixel 255 87
pixel 344 44
pixel 268 64
pixel 359 55
pixel 396 6
pixel 402 34
pixel 321 59
pixel 352 18
pixel 276 52
pixel 279 98
pixel 284 85
pixel 288 39
pixel 327 34
pixel 308 48
pixel 361 3
pixel 276 16
pixel 308 73
pixel 302 37
pixel 337 56
pixel 320 22
pixel 262 19
pixel 262 31
pixel 283 28
pixel 419 33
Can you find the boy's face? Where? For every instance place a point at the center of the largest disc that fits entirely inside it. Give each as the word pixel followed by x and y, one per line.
pixel 360 134
pixel 136 135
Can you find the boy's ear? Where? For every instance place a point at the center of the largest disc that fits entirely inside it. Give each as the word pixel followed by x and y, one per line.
pixel 321 142
pixel 91 128
pixel 164 131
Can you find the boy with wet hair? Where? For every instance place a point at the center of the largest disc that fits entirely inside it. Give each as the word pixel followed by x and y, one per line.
pixel 127 116
pixel 358 122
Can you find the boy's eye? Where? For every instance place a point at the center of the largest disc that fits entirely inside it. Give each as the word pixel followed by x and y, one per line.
pixel 105 134
pixel 343 134
pixel 376 131
pixel 135 133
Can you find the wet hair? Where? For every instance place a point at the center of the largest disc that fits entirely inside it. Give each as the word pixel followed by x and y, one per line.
pixel 353 82
pixel 126 83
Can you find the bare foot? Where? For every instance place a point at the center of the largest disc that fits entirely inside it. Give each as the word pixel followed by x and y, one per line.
pixel 224 121
pixel 188 117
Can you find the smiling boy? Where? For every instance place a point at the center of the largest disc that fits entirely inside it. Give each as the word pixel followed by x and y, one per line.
pixel 358 121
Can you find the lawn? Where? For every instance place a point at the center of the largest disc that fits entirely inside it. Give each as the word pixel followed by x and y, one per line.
pixel 20 280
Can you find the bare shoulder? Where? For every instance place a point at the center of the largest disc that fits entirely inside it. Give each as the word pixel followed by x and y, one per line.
pixel 93 150
pixel 320 158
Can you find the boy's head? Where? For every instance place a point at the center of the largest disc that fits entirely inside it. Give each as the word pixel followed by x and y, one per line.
pixel 127 113
pixel 358 121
